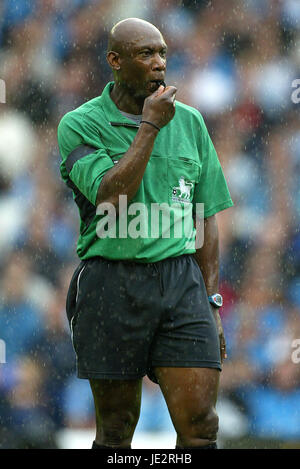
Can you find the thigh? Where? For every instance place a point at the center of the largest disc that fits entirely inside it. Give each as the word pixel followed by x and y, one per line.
pixel 190 393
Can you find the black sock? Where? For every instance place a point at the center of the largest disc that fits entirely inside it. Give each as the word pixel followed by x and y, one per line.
pixel 211 446
pixel 96 446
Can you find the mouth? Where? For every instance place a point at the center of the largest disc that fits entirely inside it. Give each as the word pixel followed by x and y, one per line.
pixel 157 83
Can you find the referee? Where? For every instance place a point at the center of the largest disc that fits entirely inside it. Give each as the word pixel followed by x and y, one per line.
pixel 143 300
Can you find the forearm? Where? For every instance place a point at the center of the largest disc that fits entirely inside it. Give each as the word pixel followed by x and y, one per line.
pixel 207 257
pixel 126 176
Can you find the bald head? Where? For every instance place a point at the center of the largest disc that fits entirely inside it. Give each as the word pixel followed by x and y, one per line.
pixel 137 56
pixel 127 33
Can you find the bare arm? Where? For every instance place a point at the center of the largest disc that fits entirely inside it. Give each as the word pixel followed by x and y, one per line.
pixel 125 178
pixel 208 256
pixel 208 260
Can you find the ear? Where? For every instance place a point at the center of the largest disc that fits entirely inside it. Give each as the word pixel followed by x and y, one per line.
pixel 113 59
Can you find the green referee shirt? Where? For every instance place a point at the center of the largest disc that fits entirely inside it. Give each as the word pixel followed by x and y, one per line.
pixel 182 176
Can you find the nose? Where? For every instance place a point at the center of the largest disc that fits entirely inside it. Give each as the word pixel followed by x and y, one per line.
pixel 158 63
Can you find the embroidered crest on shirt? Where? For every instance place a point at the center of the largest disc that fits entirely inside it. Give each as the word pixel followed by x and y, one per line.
pixel 182 193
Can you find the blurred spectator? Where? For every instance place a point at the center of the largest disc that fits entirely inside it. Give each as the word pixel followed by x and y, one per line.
pixel 78 404
pixel 28 425
pixel 55 353
pixel 20 321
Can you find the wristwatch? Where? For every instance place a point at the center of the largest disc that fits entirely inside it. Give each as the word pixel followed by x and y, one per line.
pixel 216 300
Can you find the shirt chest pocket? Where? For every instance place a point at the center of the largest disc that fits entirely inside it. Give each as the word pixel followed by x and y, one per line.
pixel 183 174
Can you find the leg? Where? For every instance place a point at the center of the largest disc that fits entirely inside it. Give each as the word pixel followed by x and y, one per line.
pixel 117 407
pixel 191 395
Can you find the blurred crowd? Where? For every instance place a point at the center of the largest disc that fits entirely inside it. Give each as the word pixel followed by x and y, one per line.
pixel 235 61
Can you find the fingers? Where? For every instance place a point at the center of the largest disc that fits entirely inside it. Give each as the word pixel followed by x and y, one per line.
pixel 170 92
pixel 159 91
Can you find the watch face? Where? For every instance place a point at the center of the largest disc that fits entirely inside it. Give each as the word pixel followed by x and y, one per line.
pixel 217 299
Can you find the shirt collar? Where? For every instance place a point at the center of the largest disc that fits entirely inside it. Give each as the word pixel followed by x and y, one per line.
pixel 112 113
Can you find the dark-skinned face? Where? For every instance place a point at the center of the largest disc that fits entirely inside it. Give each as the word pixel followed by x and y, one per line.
pixel 143 65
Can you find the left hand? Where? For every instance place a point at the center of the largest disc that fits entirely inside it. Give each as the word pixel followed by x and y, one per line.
pixel 220 333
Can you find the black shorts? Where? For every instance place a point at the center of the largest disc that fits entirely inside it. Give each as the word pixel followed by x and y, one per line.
pixel 127 318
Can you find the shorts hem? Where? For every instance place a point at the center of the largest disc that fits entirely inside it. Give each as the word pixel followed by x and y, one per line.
pixel 107 375
pixel 185 364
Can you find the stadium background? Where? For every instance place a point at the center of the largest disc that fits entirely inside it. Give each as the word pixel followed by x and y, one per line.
pixel 233 60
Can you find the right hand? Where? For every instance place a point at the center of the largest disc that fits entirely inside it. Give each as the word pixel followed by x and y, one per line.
pixel 159 107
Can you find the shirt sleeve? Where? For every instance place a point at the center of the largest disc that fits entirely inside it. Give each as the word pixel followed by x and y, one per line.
pixel 84 158
pixel 211 190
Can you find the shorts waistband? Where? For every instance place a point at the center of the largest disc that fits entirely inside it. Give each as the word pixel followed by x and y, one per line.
pixel 136 263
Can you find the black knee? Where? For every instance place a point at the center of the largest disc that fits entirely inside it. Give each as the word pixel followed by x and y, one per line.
pixel 206 425
pixel 200 429
pixel 118 428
